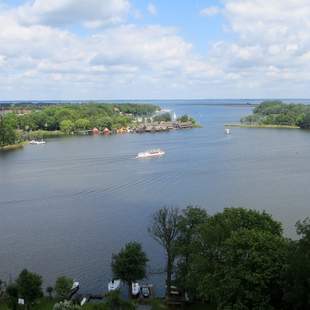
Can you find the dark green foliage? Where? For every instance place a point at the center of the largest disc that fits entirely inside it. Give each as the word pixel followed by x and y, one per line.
pixel 164 117
pixel 278 113
pixel 7 130
pixel 12 294
pixel 63 287
pixel 49 291
pixel 189 224
pixel 185 118
pixel 129 264
pixel 29 286
pixel 297 278
pixel 236 260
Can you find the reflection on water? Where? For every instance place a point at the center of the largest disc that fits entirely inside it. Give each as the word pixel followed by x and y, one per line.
pixel 68 205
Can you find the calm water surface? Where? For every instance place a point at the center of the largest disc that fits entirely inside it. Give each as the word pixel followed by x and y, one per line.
pixel 66 206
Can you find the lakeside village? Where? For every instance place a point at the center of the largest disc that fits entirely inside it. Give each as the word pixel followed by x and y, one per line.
pixel 20 123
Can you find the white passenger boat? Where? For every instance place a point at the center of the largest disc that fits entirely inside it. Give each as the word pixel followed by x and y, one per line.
pixel 151 153
pixel 135 289
pixel 114 285
pixel 37 142
pixel 227 131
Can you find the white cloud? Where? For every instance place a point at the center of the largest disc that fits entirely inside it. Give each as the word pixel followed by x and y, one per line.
pixel 92 13
pixel 210 11
pixel 151 8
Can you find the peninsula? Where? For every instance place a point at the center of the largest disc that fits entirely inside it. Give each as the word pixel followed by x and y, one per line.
pixel 23 122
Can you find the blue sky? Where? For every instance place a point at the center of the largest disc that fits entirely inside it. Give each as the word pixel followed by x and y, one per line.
pixel 135 49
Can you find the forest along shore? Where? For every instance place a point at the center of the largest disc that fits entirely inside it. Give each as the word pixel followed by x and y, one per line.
pixel 22 122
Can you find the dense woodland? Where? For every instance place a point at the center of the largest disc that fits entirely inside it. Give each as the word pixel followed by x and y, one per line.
pixel 279 113
pixel 237 259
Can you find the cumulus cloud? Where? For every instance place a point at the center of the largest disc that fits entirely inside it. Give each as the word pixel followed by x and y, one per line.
pixel 92 13
pixel 210 11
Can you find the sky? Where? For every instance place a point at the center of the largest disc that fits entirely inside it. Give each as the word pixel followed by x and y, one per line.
pixel 159 49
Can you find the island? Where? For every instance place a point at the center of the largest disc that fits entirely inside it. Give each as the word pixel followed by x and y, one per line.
pixel 24 122
pixel 276 114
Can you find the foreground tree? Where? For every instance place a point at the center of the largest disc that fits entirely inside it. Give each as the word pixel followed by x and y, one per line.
pixel 189 223
pixel 297 277
pixel 113 301
pixel 12 294
pixel 129 264
pixel 63 287
pixel 66 305
pixel 232 249
pixel 29 287
pixel 164 229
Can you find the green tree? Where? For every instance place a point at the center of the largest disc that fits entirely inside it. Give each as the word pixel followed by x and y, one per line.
pixel 67 126
pixel 304 122
pixel 232 235
pixel 130 264
pixel 247 271
pixel 12 293
pixel 63 287
pixel 7 131
pixel 29 287
pixel 297 277
pixel 189 223
pixel 164 229
pixel 82 124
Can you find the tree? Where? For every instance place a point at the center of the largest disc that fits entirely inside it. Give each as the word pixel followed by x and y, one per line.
pixel 7 131
pixel 63 287
pixel 189 223
pixel 82 124
pixel 164 229
pixel 304 122
pixel 247 272
pixel 49 291
pixel 297 277
pixel 29 287
pixel 130 264
pixel 12 293
pixel 237 243
pixel 66 126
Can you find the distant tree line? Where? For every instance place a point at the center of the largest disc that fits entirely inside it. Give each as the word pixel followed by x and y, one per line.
pixel 278 113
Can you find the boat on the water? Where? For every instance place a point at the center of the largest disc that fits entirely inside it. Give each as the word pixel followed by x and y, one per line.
pixel 146 291
pixel 75 287
pixel 135 289
pixel 151 153
pixel 114 285
pixel 227 131
pixel 37 142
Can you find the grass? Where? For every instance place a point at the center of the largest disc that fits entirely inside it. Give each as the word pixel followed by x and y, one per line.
pixel 12 147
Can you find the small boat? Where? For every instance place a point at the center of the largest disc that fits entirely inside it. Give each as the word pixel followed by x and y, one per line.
pixel 37 142
pixel 151 153
pixel 145 291
pixel 227 131
pixel 135 289
pixel 114 285
pixel 75 287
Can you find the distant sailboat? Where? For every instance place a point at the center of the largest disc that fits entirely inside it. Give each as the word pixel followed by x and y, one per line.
pixel 227 131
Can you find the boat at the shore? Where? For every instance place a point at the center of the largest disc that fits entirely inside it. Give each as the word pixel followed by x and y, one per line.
pixel 151 153
pixel 37 142
pixel 135 289
pixel 114 285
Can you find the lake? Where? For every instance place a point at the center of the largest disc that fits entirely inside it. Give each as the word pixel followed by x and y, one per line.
pixel 68 205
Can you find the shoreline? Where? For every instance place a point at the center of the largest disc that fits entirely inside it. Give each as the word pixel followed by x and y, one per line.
pixel 239 125
pixel 12 147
